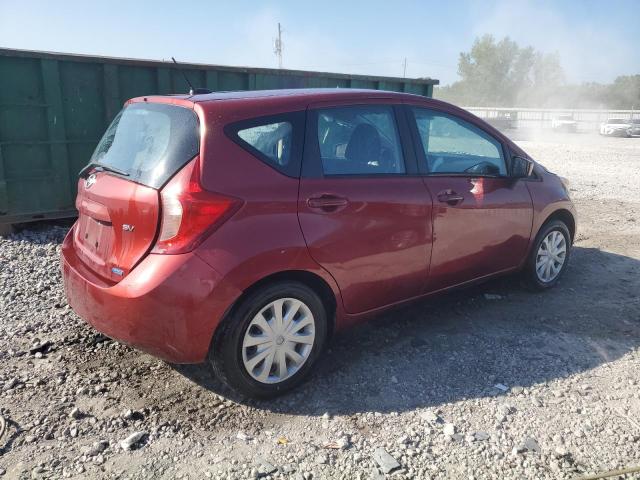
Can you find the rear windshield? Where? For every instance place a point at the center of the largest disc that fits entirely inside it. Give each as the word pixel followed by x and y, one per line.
pixel 150 141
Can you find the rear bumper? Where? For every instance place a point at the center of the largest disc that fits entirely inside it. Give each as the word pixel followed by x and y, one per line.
pixel 168 306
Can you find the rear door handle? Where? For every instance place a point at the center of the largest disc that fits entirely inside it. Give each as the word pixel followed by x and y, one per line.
pixel 450 197
pixel 327 202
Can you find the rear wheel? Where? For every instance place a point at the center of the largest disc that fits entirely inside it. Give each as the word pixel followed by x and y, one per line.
pixel 549 256
pixel 271 340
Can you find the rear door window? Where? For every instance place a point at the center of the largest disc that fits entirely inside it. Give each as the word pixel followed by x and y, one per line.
pixel 453 146
pixel 359 140
pixel 150 142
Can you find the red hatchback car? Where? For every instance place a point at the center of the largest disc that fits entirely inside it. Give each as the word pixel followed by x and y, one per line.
pixel 244 228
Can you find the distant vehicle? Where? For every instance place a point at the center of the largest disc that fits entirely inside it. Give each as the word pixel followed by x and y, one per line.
pixel 564 123
pixel 617 127
pixel 503 120
pixel 635 126
pixel 244 228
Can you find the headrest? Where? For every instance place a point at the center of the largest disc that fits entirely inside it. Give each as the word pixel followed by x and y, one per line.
pixel 364 144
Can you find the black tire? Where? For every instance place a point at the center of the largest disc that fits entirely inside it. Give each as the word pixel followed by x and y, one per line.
pixel 225 356
pixel 530 276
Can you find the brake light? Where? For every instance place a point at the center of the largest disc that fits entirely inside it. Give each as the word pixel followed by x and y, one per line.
pixel 188 213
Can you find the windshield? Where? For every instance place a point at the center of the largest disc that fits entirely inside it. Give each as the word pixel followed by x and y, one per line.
pixel 150 142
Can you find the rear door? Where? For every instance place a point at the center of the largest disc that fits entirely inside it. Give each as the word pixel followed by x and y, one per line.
pixel 118 192
pixel 482 218
pixel 364 212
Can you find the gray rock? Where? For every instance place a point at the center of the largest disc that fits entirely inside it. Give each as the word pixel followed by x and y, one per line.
pixel 505 409
pixel 40 347
pixel 386 462
pixel 449 429
pixel 37 472
pixel 430 416
pixel 96 449
pixel 132 440
pixel 519 449
pixel 561 451
pixel 13 382
pixel 75 413
pixel 531 444
pixel 265 467
pixel 341 443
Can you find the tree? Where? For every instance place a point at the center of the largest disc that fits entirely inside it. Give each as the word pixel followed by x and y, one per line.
pixel 625 92
pixel 503 74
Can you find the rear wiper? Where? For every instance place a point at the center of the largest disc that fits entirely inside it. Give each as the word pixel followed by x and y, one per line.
pixel 102 167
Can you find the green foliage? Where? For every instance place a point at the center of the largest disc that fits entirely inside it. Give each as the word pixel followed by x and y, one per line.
pixel 502 74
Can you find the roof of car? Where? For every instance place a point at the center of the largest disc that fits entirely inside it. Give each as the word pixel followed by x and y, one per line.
pixel 292 98
pixel 316 93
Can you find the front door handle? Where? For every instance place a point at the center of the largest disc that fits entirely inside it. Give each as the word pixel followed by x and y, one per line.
pixel 450 197
pixel 327 202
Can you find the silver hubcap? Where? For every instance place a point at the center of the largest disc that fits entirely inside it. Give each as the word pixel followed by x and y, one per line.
pixel 551 256
pixel 278 340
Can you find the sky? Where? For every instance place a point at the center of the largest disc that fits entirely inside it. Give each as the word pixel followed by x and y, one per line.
pixel 597 40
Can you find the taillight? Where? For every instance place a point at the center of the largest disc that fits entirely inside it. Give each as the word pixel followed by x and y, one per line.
pixel 189 213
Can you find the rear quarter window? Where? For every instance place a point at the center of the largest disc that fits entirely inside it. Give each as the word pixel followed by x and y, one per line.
pixel 275 140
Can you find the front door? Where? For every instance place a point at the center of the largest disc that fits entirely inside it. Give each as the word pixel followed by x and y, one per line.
pixel 482 218
pixel 365 220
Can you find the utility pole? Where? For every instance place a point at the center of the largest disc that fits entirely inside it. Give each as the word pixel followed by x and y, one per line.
pixel 404 73
pixel 277 46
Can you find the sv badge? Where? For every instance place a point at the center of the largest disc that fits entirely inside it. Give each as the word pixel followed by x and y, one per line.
pixel 128 228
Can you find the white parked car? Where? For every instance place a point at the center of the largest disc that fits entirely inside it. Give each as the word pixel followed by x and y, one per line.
pixel 616 127
pixel 564 123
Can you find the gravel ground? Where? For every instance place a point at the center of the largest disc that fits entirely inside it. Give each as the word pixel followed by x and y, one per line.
pixel 508 385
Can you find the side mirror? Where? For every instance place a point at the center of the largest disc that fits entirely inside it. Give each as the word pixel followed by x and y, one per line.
pixel 521 167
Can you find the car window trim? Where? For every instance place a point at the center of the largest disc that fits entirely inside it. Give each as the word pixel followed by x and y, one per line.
pixel 312 160
pixel 297 119
pixel 423 165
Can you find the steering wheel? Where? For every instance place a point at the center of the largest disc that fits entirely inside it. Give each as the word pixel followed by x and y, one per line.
pixel 484 168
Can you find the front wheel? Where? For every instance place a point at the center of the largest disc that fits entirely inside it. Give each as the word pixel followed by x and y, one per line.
pixel 271 341
pixel 549 256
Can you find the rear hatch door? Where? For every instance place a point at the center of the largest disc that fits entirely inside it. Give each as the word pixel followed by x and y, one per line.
pixel 119 191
